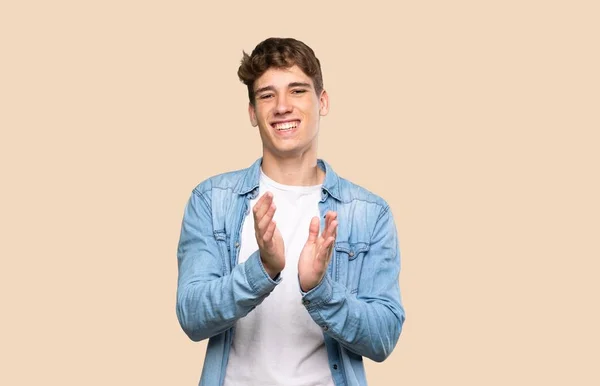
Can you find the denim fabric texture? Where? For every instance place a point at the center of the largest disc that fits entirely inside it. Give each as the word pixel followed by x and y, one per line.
pixel 357 304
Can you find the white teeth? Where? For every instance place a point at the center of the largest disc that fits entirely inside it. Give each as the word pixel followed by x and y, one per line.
pixel 286 125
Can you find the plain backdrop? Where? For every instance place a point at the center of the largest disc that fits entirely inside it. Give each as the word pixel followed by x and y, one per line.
pixel 477 121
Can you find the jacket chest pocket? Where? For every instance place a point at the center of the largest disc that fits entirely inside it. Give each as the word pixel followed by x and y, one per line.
pixel 349 259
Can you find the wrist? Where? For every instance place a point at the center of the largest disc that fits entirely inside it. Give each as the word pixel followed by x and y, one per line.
pixel 271 271
pixel 307 285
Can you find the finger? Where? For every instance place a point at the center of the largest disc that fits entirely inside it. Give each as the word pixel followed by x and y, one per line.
pixel 323 233
pixel 327 222
pixel 262 201
pixel 259 202
pixel 324 254
pixel 264 222
pixel 328 243
pixel 336 226
pixel 328 231
pixel 269 232
pixel 313 230
pixel 335 229
pixel 262 206
pixel 331 215
pixel 332 234
pixel 332 227
pixel 331 246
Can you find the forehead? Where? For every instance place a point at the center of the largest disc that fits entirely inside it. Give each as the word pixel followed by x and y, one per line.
pixel 281 77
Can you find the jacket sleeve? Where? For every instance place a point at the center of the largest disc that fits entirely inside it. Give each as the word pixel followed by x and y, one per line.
pixel 368 323
pixel 209 299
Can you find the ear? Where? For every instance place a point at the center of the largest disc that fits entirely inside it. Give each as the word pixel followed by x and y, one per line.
pixel 323 103
pixel 252 114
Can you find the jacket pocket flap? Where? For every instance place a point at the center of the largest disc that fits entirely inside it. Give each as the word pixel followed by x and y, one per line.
pixel 351 249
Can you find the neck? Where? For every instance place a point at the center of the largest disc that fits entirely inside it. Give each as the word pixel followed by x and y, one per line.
pixel 301 170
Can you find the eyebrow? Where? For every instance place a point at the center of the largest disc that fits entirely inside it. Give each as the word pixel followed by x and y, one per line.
pixel 293 84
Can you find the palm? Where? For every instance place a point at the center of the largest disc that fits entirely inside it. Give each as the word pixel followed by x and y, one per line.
pixel 278 247
pixel 316 253
pixel 268 237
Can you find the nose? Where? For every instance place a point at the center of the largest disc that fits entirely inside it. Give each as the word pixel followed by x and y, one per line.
pixel 283 105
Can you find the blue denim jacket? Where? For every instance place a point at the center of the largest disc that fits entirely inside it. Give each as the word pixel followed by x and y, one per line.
pixel 357 304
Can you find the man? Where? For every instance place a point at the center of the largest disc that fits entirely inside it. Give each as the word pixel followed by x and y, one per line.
pixel 289 269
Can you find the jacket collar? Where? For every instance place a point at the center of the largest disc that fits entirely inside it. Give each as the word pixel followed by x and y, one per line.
pixel 251 179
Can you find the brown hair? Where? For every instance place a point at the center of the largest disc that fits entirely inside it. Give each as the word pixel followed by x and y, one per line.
pixel 279 53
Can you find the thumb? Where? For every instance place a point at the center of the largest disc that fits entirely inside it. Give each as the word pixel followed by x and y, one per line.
pixel 313 230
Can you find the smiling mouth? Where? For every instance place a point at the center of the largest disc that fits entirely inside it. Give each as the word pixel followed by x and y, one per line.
pixel 285 126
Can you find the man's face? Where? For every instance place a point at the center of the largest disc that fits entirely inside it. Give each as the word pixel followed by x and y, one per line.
pixel 287 111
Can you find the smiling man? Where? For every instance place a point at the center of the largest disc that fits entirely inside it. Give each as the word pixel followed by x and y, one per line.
pixel 289 270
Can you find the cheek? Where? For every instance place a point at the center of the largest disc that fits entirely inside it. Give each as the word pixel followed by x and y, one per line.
pixel 262 118
pixel 311 114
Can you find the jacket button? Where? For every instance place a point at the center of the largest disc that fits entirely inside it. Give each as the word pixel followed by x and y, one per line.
pixel 237 244
pixel 306 302
pixel 351 254
pixel 325 328
pixel 335 367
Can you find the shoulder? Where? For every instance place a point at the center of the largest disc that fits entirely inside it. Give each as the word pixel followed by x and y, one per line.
pixel 366 214
pixel 362 202
pixel 353 193
pixel 226 181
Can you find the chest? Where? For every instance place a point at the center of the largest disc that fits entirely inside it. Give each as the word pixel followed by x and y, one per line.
pixel 236 238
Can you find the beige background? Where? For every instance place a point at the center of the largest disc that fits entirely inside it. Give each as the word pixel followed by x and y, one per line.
pixel 483 116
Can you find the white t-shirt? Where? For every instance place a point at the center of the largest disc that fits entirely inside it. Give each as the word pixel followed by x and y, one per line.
pixel 278 343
